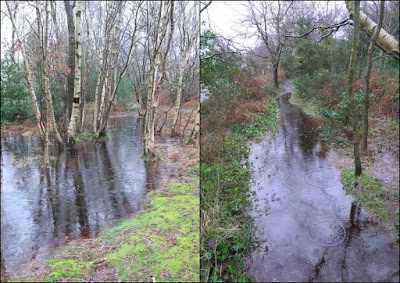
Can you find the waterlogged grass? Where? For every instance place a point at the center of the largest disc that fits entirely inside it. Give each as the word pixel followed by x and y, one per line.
pixel 161 241
pixel 226 226
pixel 371 193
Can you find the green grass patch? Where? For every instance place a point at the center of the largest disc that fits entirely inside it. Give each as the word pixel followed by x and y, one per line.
pixel 370 193
pixel 162 240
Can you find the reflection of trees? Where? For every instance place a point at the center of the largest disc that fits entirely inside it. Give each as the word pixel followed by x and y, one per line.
pixel 108 173
pixel 153 176
pixel 80 199
pixel 352 230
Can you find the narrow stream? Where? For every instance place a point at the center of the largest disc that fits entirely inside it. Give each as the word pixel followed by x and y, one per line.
pixel 85 189
pixel 309 229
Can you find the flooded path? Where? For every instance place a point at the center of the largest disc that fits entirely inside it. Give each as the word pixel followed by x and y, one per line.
pixel 309 229
pixel 85 189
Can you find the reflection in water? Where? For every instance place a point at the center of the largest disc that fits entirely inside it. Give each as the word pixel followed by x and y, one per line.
pixel 86 188
pixel 313 231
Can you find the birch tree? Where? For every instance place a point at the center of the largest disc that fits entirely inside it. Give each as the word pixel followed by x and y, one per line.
pixel 364 138
pixel 158 34
pixel 188 40
pixel 384 40
pixel 76 103
pixel 71 59
pixel 38 116
pixel 108 81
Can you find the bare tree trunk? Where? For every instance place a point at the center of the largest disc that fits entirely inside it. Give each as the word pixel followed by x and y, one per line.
pixel 32 93
pixel 71 59
pixel 152 93
pixel 51 120
pixel 78 77
pixel 196 129
pixel 60 78
pixel 184 60
pixel 364 139
pixel 276 80
pixel 350 90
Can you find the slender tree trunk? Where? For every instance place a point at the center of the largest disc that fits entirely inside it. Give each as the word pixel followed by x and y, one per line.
pixel 51 119
pixel 71 60
pixel 152 93
pixel 364 143
pixel 73 123
pixel 276 80
pixel 350 90
pixel 184 61
pixel 32 93
pixel 196 129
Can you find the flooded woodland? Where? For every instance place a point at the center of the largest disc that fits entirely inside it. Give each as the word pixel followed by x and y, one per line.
pixel 86 188
pixel 200 141
pixel 309 228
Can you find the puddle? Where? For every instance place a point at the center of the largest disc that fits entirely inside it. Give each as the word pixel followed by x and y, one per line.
pixel 309 229
pixel 87 188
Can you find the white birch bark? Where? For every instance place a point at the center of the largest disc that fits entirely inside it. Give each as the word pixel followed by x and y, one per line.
pixel 384 40
pixel 78 76
pixel 32 93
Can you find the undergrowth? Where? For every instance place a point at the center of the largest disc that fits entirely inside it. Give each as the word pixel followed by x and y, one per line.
pixel 371 193
pixel 226 234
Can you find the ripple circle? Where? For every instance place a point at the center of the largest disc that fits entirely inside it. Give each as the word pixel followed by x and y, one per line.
pixel 327 232
pixel 322 177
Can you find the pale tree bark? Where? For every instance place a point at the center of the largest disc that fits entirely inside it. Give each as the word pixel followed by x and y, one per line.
pixel 76 103
pixel 186 51
pixel 350 90
pixel 32 93
pixel 71 60
pixel 364 138
pixel 196 129
pixel 111 80
pixel 384 40
pixel 85 82
pixel 152 96
pixel 60 77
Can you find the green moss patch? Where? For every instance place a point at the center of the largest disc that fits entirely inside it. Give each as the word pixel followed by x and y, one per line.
pixel 161 241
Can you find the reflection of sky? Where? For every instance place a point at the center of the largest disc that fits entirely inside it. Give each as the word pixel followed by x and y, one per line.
pixel 83 191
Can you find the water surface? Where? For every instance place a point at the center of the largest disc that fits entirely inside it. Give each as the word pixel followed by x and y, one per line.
pixel 309 229
pixel 85 189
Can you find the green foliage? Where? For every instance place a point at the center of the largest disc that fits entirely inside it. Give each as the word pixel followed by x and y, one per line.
pixel 16 104
pixel 124 94
pixel 225 184
pixel 339 117
pixel 216 73
pixel 319 69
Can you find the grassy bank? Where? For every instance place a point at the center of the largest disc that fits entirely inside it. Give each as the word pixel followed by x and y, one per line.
pixel 161 241
pixel 226 227
pixel 370 193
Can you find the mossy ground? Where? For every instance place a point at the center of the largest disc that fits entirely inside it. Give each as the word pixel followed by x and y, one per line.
pixel 161 241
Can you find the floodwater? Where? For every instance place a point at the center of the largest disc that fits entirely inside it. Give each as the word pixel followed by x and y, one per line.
pixel 85 189
pixel 309 230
